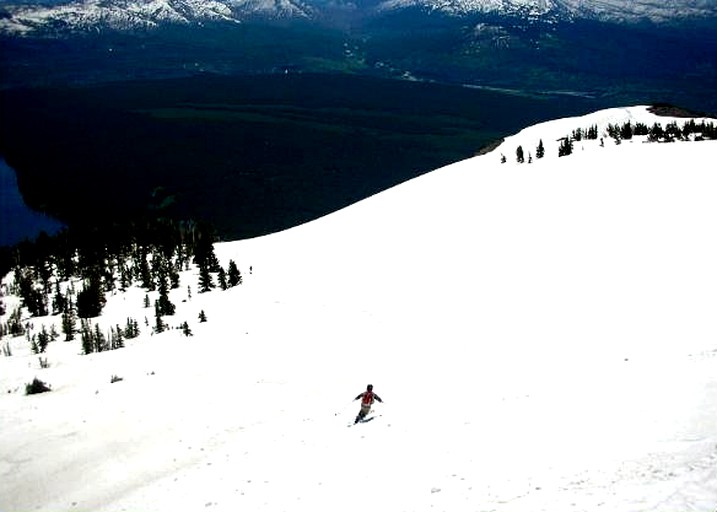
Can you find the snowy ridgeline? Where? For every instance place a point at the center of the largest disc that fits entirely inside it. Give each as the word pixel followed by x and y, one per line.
pixel 612 127
pixel 542 335
pixel 27 18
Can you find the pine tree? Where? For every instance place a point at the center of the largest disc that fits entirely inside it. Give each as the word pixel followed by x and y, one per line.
pixel 519 155
pixel 159 325
pixel 43 338
pixel 144 274
pixel 33 298
pixel 222 278
pixel 566 147
pixel 540 150
pixel 159 267
pixel 125 278
pixel 613 131
pixel 672 131
pixel 116 338
pixel 58 300
pixel 186 330
pixel 655 133
pixel 204 249
pixel 205 279
pixel 88 345
pixel 202 317
pixel 100 340
pixel 128 329
pixel 642 129
pixel 91 299
pixel 233 274
pixel 165 305
pixel 15 325
pixel 592 132
pixel 131 329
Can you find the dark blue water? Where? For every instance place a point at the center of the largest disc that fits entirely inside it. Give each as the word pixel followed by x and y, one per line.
pixel 17 221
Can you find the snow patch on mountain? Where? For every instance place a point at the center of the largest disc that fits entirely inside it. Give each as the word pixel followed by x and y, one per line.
pixel 273 8
pixel 524 8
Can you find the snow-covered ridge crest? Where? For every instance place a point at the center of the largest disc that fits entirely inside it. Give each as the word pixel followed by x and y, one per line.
pixel 273 8
pixel 525 8
pixel 552 133
pixel 623 11
pixel 640 10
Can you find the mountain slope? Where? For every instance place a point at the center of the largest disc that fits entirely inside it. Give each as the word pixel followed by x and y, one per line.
pixel 542 336
pixel 621 11
pixel 96 15
pixel 644 10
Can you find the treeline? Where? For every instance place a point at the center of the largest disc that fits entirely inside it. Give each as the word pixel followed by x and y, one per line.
pixel 670 133
pixel 69 274
pixel 689 131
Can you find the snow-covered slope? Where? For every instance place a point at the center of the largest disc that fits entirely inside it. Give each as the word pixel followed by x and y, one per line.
pixel 542 335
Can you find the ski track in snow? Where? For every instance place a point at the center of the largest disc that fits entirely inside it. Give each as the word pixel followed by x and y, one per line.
pixel 542 335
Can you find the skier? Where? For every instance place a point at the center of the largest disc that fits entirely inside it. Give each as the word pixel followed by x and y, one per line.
pixel 367 398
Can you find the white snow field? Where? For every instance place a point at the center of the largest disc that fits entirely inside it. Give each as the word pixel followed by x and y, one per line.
pixel 544 337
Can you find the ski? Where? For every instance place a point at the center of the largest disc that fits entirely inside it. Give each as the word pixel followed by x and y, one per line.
pixel 365 420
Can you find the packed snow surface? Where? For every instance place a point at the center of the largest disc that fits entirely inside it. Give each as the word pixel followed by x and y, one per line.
pixel 543 336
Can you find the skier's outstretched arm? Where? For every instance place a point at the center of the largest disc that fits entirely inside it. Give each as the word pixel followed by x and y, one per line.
pixel 359 396
pixel 377 397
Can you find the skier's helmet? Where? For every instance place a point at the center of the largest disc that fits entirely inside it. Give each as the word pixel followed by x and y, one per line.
pixel 369 387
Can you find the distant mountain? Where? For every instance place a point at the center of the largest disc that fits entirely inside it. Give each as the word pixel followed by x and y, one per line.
pixel 642 51
pixel 78 16
pixel 657 11
pixel 97 15
pixel 623 11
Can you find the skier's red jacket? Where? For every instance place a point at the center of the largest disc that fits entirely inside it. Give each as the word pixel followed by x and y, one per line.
pixel 367 398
